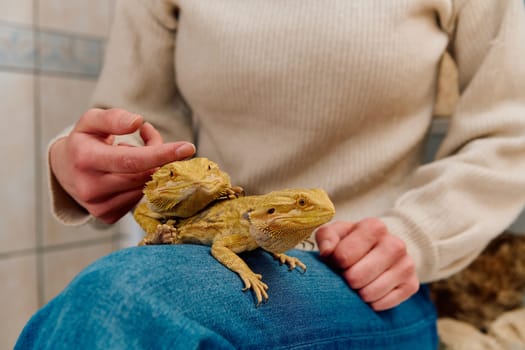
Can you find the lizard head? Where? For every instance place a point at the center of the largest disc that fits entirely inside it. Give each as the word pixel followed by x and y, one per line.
pixel 182 188
pixel 288 217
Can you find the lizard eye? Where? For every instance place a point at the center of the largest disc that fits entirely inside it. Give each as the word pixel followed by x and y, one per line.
pixel 171 173
pixel 301 202
pixel 271 211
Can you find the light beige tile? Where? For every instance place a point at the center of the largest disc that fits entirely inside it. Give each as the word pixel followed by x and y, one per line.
pixel 60 267
pixel 55 233
pixel 112 6
pixel 62 102
pixel 76 16
pixel 130 232
pixel 17 207
pixel 18 296
pixel 17 11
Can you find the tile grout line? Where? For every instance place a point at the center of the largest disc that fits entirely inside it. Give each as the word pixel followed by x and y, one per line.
pixel 55 74
pixel 16 70
pixel 61 246
pixel 53 31
pixel 117 235
pixel 38 161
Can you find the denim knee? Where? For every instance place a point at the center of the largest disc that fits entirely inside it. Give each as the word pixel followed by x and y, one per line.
pixel 180 296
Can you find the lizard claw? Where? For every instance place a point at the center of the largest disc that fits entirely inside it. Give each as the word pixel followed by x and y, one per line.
pixel 253 281
pixel 234 192
pixel 166 234
pixel 291 261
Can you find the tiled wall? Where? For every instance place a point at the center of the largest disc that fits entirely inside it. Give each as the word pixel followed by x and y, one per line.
pixel 50 55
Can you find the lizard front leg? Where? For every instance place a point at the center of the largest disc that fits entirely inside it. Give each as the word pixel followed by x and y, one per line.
pixel 164 234
pixel 146 218
pixel 236 192
pixel 224 249
pixel 156 231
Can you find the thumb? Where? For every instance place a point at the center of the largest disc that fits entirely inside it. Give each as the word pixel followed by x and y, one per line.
pixel 108 122
pixel 328 236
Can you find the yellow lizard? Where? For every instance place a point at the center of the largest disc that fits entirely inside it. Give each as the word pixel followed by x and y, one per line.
pixel 180 189
pixel 275 222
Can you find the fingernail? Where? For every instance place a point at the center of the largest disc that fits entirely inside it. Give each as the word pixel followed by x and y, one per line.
pixel 129 120
pixel 325 247
pixel 184 151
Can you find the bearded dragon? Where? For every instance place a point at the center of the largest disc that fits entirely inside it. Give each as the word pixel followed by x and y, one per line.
pixel 275 222
pixel 180 189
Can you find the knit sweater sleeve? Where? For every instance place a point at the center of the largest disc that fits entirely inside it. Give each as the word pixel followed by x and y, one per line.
pixel 476 186
pixel 139 76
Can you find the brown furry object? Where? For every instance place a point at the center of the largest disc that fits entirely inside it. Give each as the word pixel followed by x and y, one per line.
pixel 493 284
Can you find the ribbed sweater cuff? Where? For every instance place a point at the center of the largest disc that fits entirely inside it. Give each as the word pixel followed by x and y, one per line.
pixel 63 207
pixel 419 245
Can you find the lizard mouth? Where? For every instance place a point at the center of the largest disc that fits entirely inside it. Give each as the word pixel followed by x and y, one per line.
pixel 279 242
pixel 214 186
pixel 284 233
pixel 184 189
pixel 174 195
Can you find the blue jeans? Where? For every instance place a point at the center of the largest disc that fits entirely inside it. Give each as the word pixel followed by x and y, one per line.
pixel 180 297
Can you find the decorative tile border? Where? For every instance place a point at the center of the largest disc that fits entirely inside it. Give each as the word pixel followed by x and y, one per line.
pixel 17 47
pixel 58 52
pixel 70 54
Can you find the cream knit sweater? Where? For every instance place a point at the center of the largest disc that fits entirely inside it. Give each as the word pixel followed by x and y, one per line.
pixel 339 95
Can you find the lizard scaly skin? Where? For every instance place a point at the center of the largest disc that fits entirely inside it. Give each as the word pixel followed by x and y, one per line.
pixel 275 222
pixel 180 189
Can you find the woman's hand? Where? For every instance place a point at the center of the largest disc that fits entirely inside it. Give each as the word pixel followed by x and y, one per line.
pixel 373 261
pixel 108 179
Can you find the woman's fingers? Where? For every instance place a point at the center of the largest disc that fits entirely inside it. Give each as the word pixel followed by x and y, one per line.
pixel 329 236
pixel 97 156
pixel 150 135
pixel 352 241
pixel 387 251
pixel 113 208
pixel 373 261
pixel 95 125
pixel 396 296
pixel 103 123
pixel 401 273
pixel 109 184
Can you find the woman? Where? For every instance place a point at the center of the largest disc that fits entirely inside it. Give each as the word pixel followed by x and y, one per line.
pixel 295 94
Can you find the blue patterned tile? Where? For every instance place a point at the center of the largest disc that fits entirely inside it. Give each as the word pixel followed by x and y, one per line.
pixel 70 54
pixel 58 52
pixel 17 47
